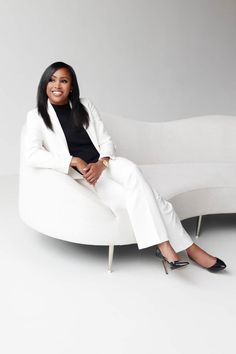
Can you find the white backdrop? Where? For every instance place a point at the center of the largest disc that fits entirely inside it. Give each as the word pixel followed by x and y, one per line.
pixel 143 59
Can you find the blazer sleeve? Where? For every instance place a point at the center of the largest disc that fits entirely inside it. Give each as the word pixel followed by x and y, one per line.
pixel 107 148
pixel 35 153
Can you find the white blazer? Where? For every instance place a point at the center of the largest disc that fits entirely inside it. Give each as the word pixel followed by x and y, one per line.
pixel 47 149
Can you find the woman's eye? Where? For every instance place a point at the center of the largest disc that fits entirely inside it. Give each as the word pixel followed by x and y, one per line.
pixel 51 80
pixel 64 81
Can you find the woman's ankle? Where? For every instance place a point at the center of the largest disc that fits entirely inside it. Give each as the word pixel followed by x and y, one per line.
pixel 168 252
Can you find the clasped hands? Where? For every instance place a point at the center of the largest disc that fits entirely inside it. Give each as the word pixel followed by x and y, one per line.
pixel 91 171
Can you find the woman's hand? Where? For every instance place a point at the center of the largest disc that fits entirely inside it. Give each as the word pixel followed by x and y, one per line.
pixel 93 171
pixel 79 164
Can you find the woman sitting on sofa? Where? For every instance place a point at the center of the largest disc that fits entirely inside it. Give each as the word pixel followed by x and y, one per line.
pixel 153 219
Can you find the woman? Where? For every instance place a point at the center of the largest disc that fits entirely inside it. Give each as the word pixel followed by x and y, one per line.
pixel 93 162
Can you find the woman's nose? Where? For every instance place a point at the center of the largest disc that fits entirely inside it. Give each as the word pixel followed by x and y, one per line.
pixel 57 84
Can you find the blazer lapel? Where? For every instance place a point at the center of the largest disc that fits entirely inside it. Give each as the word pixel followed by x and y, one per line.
pixel 91 133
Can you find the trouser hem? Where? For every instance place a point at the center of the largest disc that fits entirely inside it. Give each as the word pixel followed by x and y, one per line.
pixel 176 249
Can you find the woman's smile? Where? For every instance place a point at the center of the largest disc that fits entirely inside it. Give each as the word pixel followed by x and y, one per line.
pixel 57 93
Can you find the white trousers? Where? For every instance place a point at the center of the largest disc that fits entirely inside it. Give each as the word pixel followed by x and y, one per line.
pixel 153 218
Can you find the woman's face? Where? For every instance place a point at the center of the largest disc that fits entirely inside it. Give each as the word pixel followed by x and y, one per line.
pixel 59 87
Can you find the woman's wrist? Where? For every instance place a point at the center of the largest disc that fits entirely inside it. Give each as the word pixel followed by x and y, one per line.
pixel 104 161
pixel 74 161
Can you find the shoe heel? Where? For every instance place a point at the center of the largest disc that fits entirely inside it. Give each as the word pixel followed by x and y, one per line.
pixel 163 260
pixel 164 266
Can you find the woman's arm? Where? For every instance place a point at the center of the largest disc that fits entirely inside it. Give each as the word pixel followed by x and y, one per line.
pixel 36 155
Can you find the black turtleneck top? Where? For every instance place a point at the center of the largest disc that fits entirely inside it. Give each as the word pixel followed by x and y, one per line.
pixel 78 140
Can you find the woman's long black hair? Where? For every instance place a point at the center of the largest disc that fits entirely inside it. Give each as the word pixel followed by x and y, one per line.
pixel 79 113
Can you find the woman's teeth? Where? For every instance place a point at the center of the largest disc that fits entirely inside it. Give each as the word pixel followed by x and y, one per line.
pixel 57 93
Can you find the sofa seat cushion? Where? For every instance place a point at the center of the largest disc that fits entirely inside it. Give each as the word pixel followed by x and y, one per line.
pixel 172 179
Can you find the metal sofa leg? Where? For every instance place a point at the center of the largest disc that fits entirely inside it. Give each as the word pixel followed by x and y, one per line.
pixel 199 221
pixel 110 257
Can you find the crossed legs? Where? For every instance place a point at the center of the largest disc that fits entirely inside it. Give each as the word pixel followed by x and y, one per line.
pixel 153 219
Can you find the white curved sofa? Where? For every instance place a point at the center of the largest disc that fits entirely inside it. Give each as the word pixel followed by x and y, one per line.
pixel 190 162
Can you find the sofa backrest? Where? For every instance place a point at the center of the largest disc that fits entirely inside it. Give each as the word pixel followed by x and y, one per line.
pixel 198 139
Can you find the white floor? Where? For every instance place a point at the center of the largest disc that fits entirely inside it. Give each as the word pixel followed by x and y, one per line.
pixel 57 297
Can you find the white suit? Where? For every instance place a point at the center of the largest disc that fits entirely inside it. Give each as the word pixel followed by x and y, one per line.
pixel 153 219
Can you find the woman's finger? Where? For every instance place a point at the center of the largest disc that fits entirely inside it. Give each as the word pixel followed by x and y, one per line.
pixel 90 178
pixel 88 174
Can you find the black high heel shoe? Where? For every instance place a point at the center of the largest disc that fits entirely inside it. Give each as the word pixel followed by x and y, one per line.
pixel 219 265
pixel 173 265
